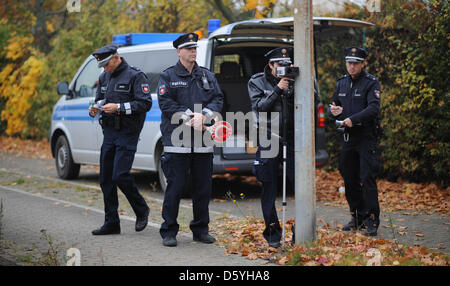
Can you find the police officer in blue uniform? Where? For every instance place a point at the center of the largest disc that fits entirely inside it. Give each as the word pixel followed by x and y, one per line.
pixel 267 92
pixel 123 98
pixel 356 102
pixel 192 93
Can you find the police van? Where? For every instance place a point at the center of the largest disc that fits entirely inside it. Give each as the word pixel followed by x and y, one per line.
pixel 233 52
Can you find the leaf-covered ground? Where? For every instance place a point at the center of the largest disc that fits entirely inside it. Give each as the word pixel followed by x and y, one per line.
pixel 331 247
pixel 393 196
pixel 25 148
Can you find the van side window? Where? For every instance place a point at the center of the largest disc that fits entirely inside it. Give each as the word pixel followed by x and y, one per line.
pixel 87 81
pixel 153 63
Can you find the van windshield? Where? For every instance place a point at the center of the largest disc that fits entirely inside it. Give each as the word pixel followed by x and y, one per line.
pixel 87 81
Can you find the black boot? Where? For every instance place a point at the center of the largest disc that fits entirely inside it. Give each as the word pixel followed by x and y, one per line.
pixel 205 238
pixel 372 224
pixel 355 223
pixel 105 230
pixel 141 222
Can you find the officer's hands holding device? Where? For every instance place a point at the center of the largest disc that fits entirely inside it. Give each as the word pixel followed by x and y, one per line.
pixel 347 122
pixel 198 121
pixel 284 83
pixel 93 110
pixel 111 108
pixel 335 110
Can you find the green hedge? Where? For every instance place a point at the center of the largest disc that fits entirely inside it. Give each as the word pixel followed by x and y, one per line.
pixel 409 55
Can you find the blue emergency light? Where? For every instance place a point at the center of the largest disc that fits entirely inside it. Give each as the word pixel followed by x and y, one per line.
pixel 132 39
pixel 213 24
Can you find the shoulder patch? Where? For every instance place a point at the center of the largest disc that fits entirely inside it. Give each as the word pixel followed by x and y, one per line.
pixel 161 90
pixel 145 88
pixel 377 93
pixel 258 75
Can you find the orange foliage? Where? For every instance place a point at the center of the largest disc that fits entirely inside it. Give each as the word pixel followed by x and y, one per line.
pixel 19 82
pixel 261 7
pixel 17 47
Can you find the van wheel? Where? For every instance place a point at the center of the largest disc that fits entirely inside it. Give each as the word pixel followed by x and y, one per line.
pixel 161 177
pixel 65 166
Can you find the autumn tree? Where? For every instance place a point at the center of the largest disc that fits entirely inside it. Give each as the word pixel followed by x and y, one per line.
pixel 235 10
pixel 37 17
pixel 25 42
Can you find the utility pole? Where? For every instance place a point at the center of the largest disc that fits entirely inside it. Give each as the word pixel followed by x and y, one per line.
pixel 305 191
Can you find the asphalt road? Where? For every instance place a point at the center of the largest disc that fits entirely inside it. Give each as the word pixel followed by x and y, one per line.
pixel 25 215
pixel 34 199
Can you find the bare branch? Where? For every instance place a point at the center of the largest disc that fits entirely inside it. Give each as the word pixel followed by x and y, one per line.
pixel 50 13
pixel 224 10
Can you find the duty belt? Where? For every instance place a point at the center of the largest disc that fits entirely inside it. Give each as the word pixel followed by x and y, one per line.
pixel 110 121
pixel 175 149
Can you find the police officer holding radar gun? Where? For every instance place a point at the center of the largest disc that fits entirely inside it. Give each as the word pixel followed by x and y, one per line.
pixel 355 106
pixel 122 99
pixel 272 92
pixel 188 96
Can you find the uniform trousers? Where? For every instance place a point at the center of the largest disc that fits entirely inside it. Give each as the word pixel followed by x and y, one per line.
pixel 359 165
pixel 116 159
pixel 267 171
pixel 177 167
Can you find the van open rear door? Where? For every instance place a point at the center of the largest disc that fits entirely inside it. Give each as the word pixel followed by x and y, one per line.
pixel 239 41
pixel 282 28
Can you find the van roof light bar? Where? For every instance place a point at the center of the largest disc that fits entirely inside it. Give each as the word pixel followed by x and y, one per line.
pixel 133 39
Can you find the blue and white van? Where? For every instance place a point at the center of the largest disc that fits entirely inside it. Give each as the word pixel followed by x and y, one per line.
pixel 233 52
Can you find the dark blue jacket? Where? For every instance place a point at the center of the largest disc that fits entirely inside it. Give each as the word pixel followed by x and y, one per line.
pixel 130 87
pixel 178 91
pixel 360 99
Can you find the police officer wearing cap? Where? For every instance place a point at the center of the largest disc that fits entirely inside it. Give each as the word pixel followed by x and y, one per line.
pixel 267 92
pixel 122 98
pixel 356 102
pixel 192 93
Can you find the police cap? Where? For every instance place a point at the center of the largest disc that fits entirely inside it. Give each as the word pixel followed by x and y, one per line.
pixel 355 54
pixel 104 54
pixel 279 54
pixel 188 40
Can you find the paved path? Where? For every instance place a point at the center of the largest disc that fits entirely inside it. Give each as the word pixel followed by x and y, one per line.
pixel 25 215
